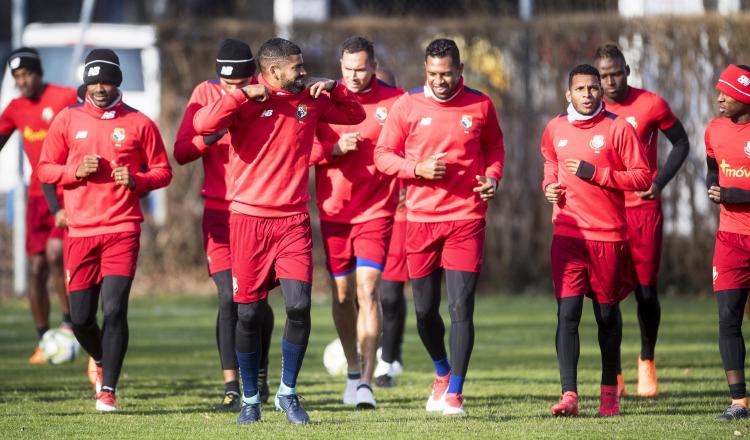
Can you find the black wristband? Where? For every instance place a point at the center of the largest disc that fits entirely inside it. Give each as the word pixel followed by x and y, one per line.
pixel 585 170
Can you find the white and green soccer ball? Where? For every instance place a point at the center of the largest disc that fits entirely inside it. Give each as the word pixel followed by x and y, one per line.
pixel 59 346
pixel 334 359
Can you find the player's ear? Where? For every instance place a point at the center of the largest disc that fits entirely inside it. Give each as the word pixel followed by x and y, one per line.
pixel 460 69
pixel 627 70
pixel 568 97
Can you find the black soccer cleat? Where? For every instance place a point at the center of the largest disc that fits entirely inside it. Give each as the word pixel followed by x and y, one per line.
pixel 384 381
pixel 231 402
pixel 249 413
pixel 290 405
pixel 734 412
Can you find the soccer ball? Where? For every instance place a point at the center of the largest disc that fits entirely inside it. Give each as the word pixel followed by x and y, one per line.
pixel 334 359
pixel 59 346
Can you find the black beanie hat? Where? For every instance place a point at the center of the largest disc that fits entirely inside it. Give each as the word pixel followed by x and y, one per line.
pixel 25 58
pixel 235 60
pixel 102 66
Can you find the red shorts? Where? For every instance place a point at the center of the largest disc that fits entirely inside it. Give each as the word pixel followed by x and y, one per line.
pixel 267 249
pixel 216 240
pixel 89 259
pixel 598 269
pixel 645 225
pixel 395 263
pixel 40 225
pixel 348 246
pixel 455 245
pixel 731 261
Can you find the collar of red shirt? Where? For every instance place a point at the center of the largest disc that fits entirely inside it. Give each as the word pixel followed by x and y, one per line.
pixel 277 92
pixel 429 95
pixel 581 121
pixel 108 112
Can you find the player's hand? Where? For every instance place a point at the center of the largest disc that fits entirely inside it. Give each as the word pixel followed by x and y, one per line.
pixel 714 193
pixel 256 92
pixel 651 194
pixel 318 85
pixel 432 168
pixel 572 165
pixel 553 193
pixel 122 175
pixel 61 219
pixel 486 188
pixel 347 143
pixel 89 166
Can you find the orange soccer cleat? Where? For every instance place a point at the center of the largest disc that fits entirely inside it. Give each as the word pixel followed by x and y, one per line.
pixel 38 357
pixel 647 384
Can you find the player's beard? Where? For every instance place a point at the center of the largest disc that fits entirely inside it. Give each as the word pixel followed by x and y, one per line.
pixel 294 86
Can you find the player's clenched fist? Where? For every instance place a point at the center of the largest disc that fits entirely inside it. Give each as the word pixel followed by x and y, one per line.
pixel 553 193
pixel 432 168
pixel 122 175
pixel 256 92
pixel 318 85
pixel 347 142
pixel 89 166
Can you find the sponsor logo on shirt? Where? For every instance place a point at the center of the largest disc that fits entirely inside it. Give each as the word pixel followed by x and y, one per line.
pixel 381 113
pixel 226 70
pixel 83 134
pixel 466 122
pixel 747 149
pixel 597 143
pixel 48 114
pixel 108 115
pixel 93 71
pixel 744 80
pixel 34 136
pixel 562 143
pixel 728 171
pixel 266 113
pixel 425 121
pixel 118 135
pixel 632 121
pixel 301 112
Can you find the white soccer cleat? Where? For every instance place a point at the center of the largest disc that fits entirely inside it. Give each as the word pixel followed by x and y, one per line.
pixel 436 402
pixel 396 369
pixel 382 369
pixel 454 405
pixel 350 392
pixel 365 398
pixel 106 402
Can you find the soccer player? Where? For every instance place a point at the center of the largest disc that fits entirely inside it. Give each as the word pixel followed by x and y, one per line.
pixel 728 151
pixel 272 125
pixel 97 151
pixel 356 203
pixel 235 67
pixel 31 114
pixel 648 113
pixel 444 138
pixel 591 157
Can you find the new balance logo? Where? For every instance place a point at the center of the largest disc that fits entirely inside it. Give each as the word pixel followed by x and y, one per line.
pixel 227 70
pixel 108 115
pixel 744 80
pixel 425 121
pixel 562 143
pixel 93 71
pixel 83 134
pixel 266 113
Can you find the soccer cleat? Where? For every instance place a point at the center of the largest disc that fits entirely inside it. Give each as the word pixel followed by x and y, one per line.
pixel 249 412
pixel 621 391
pixel 382 368
pixel 609 402
pixel 290 405
pixel 365 398
pixel 91 373
pixel 454 405
pixel 567 406
pixel 230 402
pixel 734 412
pixel 647 384
pixel 436 402
pixel 263 386
pixel 384 381
pixel 350 392
pixel 38 357
pixel 396 369
pixel 106 401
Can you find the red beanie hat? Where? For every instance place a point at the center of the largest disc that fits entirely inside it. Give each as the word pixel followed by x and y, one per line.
pixel 735 82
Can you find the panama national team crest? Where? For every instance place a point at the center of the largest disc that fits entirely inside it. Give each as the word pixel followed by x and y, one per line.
pixel 48 114
pixel 118 135
pixel 747 149
pixel 381 113
pixel 466 122
pixel 597 143
pixel 631 120
pixel 301 112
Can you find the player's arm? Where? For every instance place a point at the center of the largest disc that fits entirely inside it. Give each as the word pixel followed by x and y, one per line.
pixel 158 172
pixel 343 107
pixel 53 167
pixel 7 126
pixel 188 145
pixel 493 152
pixel 680 150
pixel 389 149
pixel 222 113
pixel 723 194
pixel 635 176
pixel 50 194
pixel 553 191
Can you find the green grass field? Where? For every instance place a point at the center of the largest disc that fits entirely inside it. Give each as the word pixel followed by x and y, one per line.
pixel 171 380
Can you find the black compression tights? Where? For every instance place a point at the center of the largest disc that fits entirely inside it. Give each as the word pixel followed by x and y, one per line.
pixel 731 343
pixel 394 316
pixel 109 344
pixel 461 287
pixel 567 341
pixel 649 317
